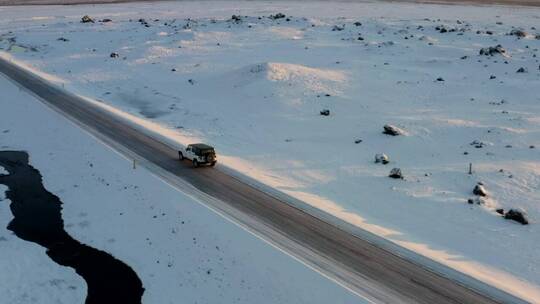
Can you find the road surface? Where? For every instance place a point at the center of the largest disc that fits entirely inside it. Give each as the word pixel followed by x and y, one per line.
pixel 364 268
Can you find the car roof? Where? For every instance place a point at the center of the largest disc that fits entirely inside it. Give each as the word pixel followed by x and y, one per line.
pixel 202 146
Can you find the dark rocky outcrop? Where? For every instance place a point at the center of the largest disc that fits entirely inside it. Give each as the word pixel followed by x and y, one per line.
pixel 517 215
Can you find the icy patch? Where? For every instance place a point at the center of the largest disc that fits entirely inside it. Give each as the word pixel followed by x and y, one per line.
pixel 3 171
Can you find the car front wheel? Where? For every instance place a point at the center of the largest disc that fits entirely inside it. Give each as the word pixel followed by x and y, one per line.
pixel 195 163
pixel 180 155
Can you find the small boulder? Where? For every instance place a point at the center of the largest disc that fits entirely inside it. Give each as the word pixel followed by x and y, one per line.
pixel 479 190
pixel 277 16
pixel 518 33
pixel 500 211
pixel 396 173
pixel 517 215
pixel 114 55
pixel 87 19
pixel 381 158
pixel 392 130
pixel 337 28
pixel 493 50
pixel 476 201
pixel 521 70
pixel 325 112
pixel 477 144
pixel 236 18
pixel 105 20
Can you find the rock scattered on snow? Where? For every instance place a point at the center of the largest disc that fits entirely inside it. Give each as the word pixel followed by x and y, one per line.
pixel 236 18
pixel 381 158
pixel 142 21
pixel 357 23
pixel 357 141
pixel 500 211
pixel 392 130
pixel 114 55
pixel 493 50
pixel 63 39
pixel 517 215
pixel 477 144
pixel 325 112
pixel 479 190
pixel 396 173
pixel 476 201
pixel 277 16
pixel 86 19
pixel 521 70
pixel 338 28
pixel 518 33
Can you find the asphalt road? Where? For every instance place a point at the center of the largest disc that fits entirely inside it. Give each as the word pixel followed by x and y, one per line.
pixel 363 267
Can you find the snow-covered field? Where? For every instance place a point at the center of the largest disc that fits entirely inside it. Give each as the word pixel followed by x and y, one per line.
pixel 254 87
pixel 180 249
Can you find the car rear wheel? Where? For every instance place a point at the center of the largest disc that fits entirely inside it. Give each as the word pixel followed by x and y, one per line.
pixel 195 163
pixel 213 163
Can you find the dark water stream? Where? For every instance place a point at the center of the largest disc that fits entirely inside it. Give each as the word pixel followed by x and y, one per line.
pixel 38 219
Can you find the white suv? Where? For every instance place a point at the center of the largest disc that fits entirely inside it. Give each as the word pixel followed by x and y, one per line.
pixel 199 154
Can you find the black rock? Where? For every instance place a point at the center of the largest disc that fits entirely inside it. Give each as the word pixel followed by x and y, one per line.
pixel 87 19
pixel 114 55
pixel 521 70
pixel 381 158
pixel 325 112
pixel 396 173
pixel 500 211
pixel 518 33
pixel 392 130
pixel 236 18
pixel 517 216
pixel 492 50
pixel 479 190
pixel 277 16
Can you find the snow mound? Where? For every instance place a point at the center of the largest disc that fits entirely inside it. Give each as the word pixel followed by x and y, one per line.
pixel 293 75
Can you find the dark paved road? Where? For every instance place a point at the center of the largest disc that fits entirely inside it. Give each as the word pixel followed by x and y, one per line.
pixel 363 267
